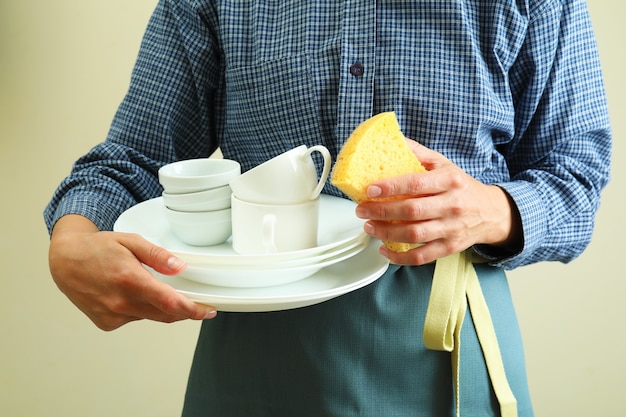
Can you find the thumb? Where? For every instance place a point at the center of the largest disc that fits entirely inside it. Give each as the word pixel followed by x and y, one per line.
pixel 156 257
pixel 159 294
pixel 430 159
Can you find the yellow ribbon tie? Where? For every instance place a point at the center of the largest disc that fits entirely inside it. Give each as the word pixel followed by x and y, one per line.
pixel 454 284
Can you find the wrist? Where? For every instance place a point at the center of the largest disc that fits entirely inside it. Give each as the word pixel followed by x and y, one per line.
pixel 73 223
pixel 505 233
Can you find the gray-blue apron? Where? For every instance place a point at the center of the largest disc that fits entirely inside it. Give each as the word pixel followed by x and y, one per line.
pixel 361 354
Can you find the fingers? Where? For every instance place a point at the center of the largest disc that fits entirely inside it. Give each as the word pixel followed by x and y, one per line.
pixel 413 209
pixel 440 175
pixel 163 303
pixel 402 231
pixel 167 303
pixel 418 184
pixel 421 255
pixel 157 300
pixel 113 319
pixel 145 297
pixel 403 185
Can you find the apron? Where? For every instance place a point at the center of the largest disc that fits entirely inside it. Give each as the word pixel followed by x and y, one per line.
pixel 361 354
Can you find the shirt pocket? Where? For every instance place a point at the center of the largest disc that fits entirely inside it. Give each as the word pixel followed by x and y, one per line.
pixel 271 107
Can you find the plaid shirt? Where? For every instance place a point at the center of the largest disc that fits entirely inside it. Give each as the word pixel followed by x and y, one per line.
pixel 510 91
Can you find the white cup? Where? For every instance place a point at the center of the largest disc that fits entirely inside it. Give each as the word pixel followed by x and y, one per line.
pixel 288 178
pixel 269 228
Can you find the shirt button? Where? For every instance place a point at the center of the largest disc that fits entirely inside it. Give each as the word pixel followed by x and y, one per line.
pixel 357 70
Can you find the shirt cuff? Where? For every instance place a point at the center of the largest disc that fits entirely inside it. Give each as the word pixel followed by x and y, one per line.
pixel 531 209
pixel 102 211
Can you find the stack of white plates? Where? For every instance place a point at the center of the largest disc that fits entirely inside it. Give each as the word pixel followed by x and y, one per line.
pixel 340 241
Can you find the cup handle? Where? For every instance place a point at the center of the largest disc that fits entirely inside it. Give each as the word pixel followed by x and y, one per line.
pixel 269 233
pixel 325 171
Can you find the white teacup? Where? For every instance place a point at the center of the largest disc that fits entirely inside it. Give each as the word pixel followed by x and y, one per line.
pixel 270 228
pixel 288 178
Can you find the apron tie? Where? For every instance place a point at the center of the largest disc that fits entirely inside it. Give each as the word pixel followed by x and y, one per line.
pixel 455 284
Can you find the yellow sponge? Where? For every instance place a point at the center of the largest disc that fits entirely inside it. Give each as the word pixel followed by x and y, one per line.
pixel 375 150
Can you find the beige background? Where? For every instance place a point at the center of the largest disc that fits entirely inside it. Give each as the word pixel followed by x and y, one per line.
pixel 64 67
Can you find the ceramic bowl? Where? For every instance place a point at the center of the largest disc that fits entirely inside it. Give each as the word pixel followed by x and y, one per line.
pixel 205 228
pixel 193 175
pixel 207 200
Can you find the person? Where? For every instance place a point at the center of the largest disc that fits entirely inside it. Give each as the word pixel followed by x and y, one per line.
pixel 504 104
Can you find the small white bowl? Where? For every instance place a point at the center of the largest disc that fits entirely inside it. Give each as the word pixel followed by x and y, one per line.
pixel 206 228
pixel 207 200
pixel 193 175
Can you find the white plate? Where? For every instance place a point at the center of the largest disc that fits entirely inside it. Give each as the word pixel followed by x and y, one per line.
pixel 328 283
pixel 338 226
pixel 230 276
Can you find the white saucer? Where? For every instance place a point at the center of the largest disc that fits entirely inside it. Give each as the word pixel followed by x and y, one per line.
pixel 267 276
pixel 338 226
pixel 330 282
pixel 359 241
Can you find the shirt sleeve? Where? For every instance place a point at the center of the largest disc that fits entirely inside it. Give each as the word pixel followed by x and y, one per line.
pixel 165 116
pixel 560 156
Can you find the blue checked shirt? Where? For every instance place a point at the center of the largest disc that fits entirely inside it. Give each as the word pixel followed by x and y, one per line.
pixel 511 91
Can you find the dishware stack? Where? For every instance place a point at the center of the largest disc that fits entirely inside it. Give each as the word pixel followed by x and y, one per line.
pixel 290 247
pixel 340 243
pixel 197 199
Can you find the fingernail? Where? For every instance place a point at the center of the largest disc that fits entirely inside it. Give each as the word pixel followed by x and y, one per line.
pixel 361 212
pixel 368 228
pixel 374 191
pixel 384 251
pixel 210 314
pixel 175 263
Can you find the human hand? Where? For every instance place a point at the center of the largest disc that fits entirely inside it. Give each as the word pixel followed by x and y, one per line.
pixel 102 273
pixel 444 208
